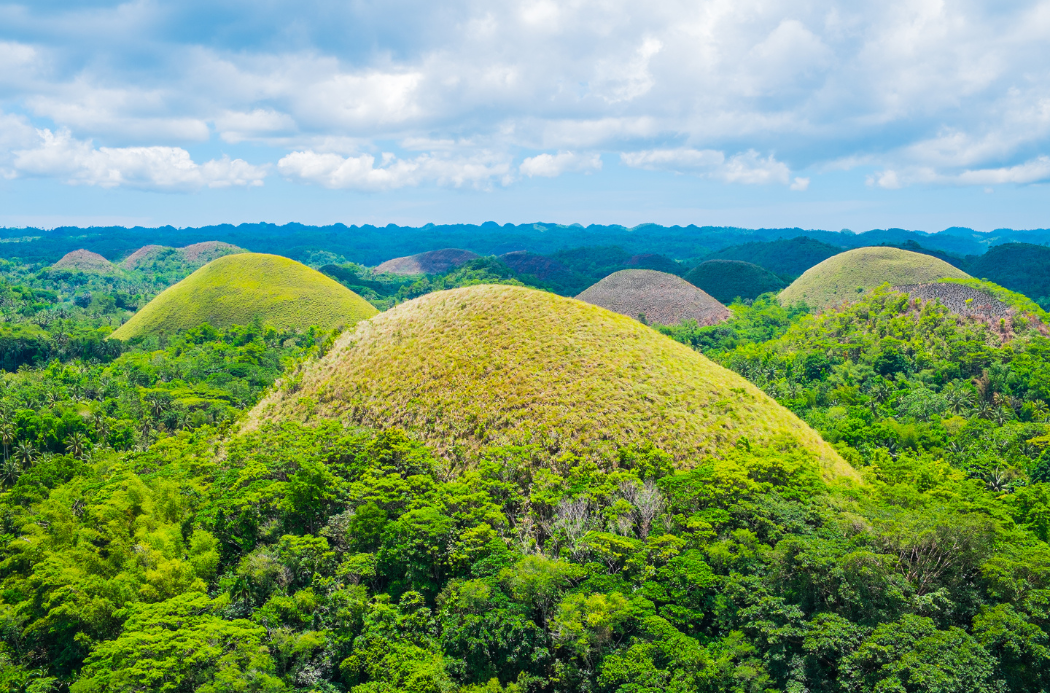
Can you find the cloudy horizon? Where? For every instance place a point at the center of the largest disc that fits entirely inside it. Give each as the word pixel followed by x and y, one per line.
pixel 911 114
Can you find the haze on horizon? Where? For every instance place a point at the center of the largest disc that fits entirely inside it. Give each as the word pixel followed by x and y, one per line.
pixel 912 114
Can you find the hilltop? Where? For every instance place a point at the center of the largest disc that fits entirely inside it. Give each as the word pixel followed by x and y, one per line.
pixel 235 289
pixel 845 277
pixel 195 255
pixel 84 261
pixel 656 297
pixel 432 262
pixel 730 279
pixel 503 365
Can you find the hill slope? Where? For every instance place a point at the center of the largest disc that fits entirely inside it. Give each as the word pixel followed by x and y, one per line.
pixel 432 262
pixel 843 278
pixel 505 365
pixel 785 256
pixel 662 298
pixel 1021 267
pixel 195 255
pixel 234 289
pixel 729 279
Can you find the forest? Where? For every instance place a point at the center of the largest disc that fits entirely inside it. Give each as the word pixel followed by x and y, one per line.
pixel 150 541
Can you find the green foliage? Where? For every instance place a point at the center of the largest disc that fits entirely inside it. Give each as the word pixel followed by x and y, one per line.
pixel 1022 267
pixel 786 257
pixel 729 280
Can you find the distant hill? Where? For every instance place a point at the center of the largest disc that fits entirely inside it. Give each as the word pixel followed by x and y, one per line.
pixel 656 297
pixel 1020 267
pixel 654 261
pixel 236 289
pixel 730 279
pixel 787 257
pixel 843 278
pixel 503 365
pixel 84 261
pixel 153 257
pixel 431 262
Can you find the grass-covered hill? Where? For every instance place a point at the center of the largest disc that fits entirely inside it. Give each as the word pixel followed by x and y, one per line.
pixel 845 277
pixel 655 297
pixel 430 262
pixel 237 289
pixel 1021 267
pixel 960 299
pixel 788 257
pixel 505 365
pixel 153 258
pixel 84 261
pixel 730 279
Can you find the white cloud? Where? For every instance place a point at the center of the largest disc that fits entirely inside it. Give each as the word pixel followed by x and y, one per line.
pixel 234 126
pixel 361 173
pixel 167 169
pixel 748 168
pixel 553 165
pixel 1036 170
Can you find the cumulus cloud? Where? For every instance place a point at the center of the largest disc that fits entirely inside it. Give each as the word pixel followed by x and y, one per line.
pixel 942 93
pixel 1036 170
pixel 361 172
pixel 166 169
pixel 553 165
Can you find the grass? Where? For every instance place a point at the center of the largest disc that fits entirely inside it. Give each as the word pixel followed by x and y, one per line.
pixel 844 278
pixel 84 261
pixel 235 289
pixel 1019 302
pixel 502 365
pixel 662 298
pixel 431 262
pixel 727 280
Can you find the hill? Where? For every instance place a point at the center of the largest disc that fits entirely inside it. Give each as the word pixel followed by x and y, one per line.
pixel 235 289
pixel 195 255
pixel 843 278
pixel 960 299
pixel 788 257
pixel 658 297
pixel 504 365
pixel 730 279
pixel 1021 267
pixel 546 270
pixel 432 262
pixel 84 261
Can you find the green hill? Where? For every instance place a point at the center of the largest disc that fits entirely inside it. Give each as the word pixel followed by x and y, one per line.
pixel 729 279
pixel 1021 267
pixel 235 289
pixel 788 257
pixel 843 278
pixel 504 365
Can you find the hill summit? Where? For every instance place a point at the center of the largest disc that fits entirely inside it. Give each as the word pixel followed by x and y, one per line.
pixel 504 365
pixel 235 289
pixel 730 279
pixel 844 278
pixel 84 261
pixel 431 262
pixel 658 297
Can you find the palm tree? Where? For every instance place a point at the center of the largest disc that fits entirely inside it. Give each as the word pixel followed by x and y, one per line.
pixel 7 435
pixel 77 444
pixel 25 453
pixel 10 471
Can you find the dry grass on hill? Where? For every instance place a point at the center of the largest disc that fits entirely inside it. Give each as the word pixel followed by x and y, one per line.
pixel 235 289
pixel 845 277
pixel 960 299
pixel 502 365
pixel 196 254
pixel 662 298
pixel 84 261
pixel 432 262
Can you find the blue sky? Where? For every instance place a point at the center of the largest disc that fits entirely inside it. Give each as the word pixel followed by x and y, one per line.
pixel 824 114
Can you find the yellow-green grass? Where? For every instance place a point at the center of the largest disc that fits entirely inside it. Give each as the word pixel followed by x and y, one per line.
pixel 480 366
pixel 236 289
pixel 846 277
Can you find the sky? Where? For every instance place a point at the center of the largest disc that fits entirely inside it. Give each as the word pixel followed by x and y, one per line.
pixel 757 113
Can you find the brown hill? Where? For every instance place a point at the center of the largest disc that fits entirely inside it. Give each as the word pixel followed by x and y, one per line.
pixel 84 261
pixel 960 299
pixel 660 297
pixel 432 262
pixel 194 256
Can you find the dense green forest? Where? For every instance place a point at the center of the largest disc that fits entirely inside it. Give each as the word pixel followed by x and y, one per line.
pixel 148 543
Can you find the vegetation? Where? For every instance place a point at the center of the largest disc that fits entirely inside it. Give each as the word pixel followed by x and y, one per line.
pixel 845 278
pixel 728 280
pixel 504 365
pixel 430 262
pixel 157 536
pixel 1022 267
pixel 654 298
pixel 237 289
pixel 786 257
